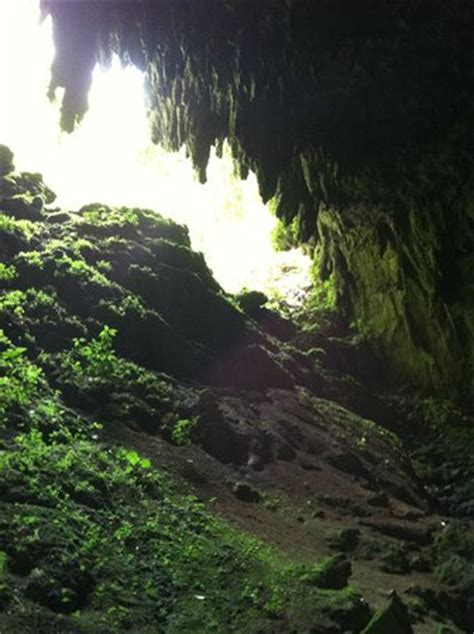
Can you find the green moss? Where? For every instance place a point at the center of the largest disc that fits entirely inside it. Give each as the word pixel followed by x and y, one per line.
pixel 129 305
pixel 124 222
pixel 286 237
pixel 393 619
pixel 115 535
pixel 34 259
pixel 78 267
pixel 95 376
pixel 455 554
pixel 25 229
pixel 111 217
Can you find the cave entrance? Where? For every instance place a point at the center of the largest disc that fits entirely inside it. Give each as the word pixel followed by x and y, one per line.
pixel 110 159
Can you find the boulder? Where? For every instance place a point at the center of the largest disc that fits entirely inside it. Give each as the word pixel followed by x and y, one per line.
pixel 6 160
pixel 392 619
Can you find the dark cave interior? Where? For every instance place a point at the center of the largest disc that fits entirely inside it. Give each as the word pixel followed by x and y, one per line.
pixel 174 458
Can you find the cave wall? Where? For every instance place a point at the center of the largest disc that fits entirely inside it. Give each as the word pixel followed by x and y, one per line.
pixel 418 317
pixel 357 118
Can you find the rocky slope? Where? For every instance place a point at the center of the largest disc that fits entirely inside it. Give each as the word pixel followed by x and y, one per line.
pixel 174 459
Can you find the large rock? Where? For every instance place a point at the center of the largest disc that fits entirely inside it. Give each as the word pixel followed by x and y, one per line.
pixel 6 160
pixel 393 619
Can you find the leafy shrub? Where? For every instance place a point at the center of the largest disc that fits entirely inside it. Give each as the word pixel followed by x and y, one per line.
pixel 39 298
pixel 54 467
pixel 82 244
pixel 13 302
pixel 93 365
pixel 7 272
pixel 19 378
pixel 133 459
pixel 181 433
pixel 95 359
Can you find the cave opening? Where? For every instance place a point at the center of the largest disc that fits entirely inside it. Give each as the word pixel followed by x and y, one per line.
pixel 109 158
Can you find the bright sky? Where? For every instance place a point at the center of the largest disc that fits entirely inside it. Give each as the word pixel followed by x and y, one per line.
pixel 110 159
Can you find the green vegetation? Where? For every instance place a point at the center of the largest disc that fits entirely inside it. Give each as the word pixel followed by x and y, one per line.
pixel 112 217
pixel 128 305
pixel 103 537
pixel 78 267
pixel 13 301
pixel 182 431
pixel 322 297
pixel 19 380
pixel 286 237
pixel 320 306
pixel 94 363
pixel 25 229
pixel 7 272
pixel 64 259
pixel 455 553
pixel 94 360
pixel 441 451
pixel 32 259
pixel 125 222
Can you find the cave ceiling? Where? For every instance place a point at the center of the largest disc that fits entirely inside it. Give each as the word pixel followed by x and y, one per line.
pixel 329 102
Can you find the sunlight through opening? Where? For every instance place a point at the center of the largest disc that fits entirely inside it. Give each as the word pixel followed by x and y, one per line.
pixel 110 159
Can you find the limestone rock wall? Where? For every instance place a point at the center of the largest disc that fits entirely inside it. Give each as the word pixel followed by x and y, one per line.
pixel 406 293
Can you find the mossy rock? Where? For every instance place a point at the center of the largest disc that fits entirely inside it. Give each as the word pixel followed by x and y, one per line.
pixel 6 160
pixel 251 302
pixel 22 207
pixel 245 492
pixel 345 539
pixel 332 574
pixel 393 619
